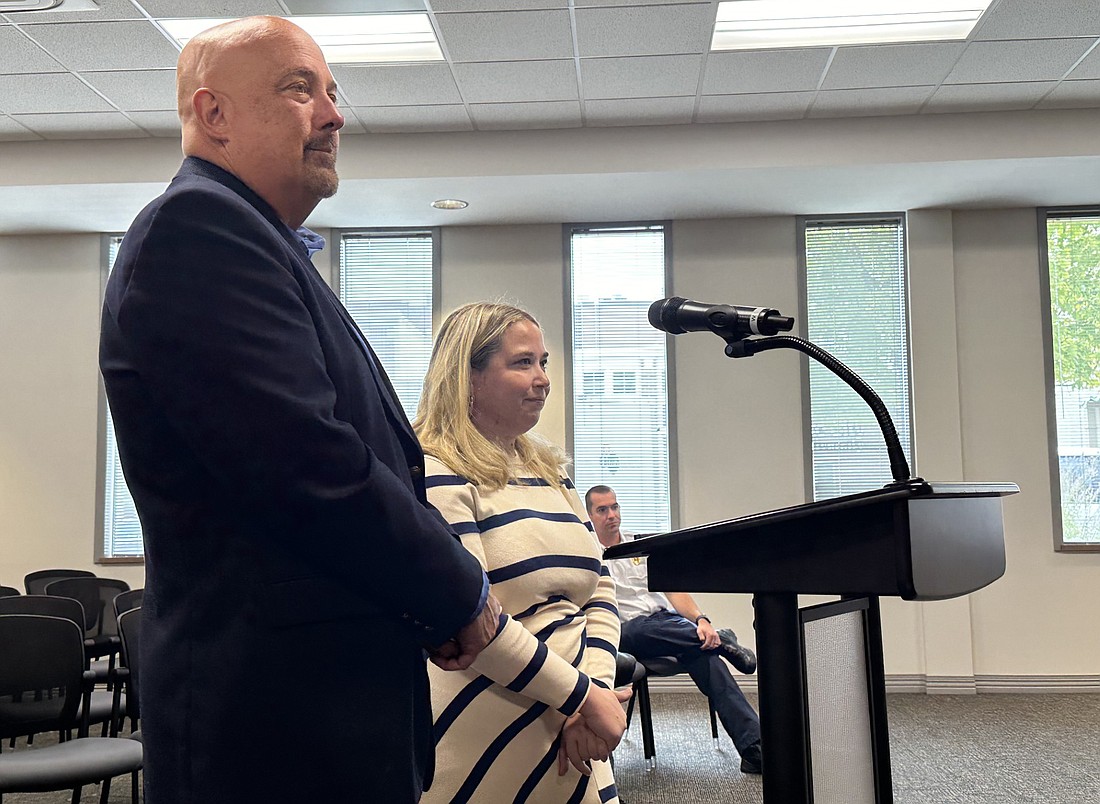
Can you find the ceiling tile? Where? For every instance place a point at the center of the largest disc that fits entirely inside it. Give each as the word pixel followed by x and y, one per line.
pixel 384 119
pixel 517 81
pixel 987 97
pixel 352 125
pixel 1089 66
pixel 50 92
pixel 157 124
pixel 1001 62
pixel 507 36
pixel 396 84
pixel 735 73
pixel 765 106
pixel 869 102
pixel 18 54
pixel 218 9
pixel 639 112
pixel 1029 19
pixel 81 126
pixel 513 116
pixel 108 10
pixel 106 45
pixel 892 65
pixel 601 3
pixel 640 76
pixel 1073 95
pixel 10 131
pixel 137 90
pixel 644 31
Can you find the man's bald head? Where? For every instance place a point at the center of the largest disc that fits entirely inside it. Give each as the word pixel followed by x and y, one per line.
pixel 256 98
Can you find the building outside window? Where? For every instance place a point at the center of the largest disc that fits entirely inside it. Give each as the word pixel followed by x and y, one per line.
pixel 620 428
pixel 857 310
pixel 1072 286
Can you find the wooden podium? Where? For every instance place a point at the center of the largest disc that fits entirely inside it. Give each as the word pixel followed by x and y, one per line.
pixel 922 541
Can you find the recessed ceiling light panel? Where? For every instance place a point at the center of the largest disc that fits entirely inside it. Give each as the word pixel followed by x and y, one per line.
pixel 758 24
pixel 7 6
pixel 346 38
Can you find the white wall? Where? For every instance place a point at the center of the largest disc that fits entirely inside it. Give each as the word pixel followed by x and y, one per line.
pixel 978 389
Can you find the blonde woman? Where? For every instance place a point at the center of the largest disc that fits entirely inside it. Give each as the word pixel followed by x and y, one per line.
pixel 534 718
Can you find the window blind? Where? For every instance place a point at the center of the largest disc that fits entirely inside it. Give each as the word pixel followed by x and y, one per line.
pixel 386 283
pixel 856 309
pixel 620 386
pixel 121 528
pixel 1073 273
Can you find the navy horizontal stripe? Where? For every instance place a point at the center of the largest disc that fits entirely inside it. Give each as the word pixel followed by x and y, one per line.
pixel 578 794
pixel 509 571
pixel 527 612
pixel 485 761
pixel 599 683
pixel 528 481
pixel 531 670
pixel 608 793
pixel 435 481
pixel 458 704
pixel 589 526
pixel 464 528
pixel 520 514
pixel 547 630
pixel 576 696
pixel 533 779
pixel 565 481
pixel 604 571
pixel 602 644
pixel 602 604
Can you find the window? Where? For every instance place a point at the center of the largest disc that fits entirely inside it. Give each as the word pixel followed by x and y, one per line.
pixel 856 309
pixel 120 531
pixel 620 430
pixel 1072 287
pixel 387 282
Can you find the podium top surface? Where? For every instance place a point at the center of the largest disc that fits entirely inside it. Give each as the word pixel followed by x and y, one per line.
pixel 924 489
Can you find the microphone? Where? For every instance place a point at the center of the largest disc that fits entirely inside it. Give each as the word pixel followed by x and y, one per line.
pixel 731 322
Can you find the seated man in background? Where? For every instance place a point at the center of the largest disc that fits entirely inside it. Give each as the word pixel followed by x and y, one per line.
pixel 654 624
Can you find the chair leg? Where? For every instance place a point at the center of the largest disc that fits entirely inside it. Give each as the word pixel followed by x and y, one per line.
pixel 134 788
pixel 76 795
pixel 630 705
pixel 713 723
pixel 645 712
pixel 105 791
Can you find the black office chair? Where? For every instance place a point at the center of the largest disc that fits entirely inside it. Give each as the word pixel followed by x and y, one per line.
pixel 68 609
pixel 9 591
pixel 97 596
pixel 42 684
pixel 636 673
pixel 129 627
pixel 124 601
pixel 35 582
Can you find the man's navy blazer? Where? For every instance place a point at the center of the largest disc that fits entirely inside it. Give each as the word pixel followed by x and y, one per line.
pixel 294 568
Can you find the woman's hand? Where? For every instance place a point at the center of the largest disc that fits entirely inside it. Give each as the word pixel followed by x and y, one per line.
pixel 604 715
pixel 579 746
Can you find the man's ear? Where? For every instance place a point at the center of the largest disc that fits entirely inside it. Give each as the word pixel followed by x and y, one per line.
pixel 209 111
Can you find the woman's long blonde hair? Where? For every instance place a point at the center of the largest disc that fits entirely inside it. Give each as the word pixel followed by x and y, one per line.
pixel 469 337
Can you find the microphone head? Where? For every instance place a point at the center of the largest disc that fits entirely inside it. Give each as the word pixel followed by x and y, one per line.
pixel 662 315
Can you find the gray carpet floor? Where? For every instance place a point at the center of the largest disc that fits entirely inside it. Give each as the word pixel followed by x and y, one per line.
pixel 946 749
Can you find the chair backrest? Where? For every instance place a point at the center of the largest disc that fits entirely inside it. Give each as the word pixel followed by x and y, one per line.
pixel 128 600
pixel 35 582
pixel 97 596
pixel 129 628
pixel 45 605
pixel 9 591
pixel 41 673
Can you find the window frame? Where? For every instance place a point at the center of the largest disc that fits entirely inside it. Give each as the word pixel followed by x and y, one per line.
pixel 670 360
pixel 436 235
pixel 100 557
pixel 1043 215
pixel 840 219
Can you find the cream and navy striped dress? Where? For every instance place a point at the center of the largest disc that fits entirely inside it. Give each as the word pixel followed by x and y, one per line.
pixel 497 725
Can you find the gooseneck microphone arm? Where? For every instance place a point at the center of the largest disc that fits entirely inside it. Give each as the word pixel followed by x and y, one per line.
pixel 899 466
pixel 735 325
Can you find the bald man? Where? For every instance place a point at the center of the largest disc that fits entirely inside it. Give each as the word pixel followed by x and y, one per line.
pixel 296 578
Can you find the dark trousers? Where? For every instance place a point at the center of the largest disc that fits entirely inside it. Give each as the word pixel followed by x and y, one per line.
pixel 669 634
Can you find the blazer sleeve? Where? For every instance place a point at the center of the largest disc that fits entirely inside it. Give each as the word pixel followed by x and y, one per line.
pixel 515 659
pixel 216 324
